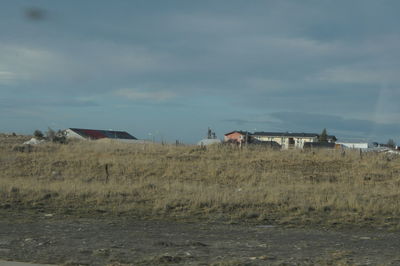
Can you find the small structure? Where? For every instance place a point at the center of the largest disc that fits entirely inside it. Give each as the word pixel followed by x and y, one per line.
pixel 210 140
pixel 94 134
pixel 353 145
pixel 206 142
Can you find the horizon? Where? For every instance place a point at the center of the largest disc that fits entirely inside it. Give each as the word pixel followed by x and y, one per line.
pixel 159 138
pixel 172 69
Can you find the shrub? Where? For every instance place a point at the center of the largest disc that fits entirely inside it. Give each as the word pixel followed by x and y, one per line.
pixel 38 134
pixel 57 137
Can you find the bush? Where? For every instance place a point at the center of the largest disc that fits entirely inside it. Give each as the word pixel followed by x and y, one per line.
pixel 38 134
pixel 57 137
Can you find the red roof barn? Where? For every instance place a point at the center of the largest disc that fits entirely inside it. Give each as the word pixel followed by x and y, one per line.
pixel 98 134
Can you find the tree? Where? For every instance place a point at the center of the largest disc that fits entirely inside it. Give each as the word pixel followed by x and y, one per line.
pixel 58 137
pixel 324 136
pixel 38 134
pixel 391 143
pixel 209 132
pixel 61 136
pixel 50 134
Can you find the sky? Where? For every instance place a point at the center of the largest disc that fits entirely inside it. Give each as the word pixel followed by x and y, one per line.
pixel 168 70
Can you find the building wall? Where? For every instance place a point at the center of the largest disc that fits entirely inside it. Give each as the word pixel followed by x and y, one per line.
pixel 355 145
pixel 234 136
pixel 284 140
pixel 72 134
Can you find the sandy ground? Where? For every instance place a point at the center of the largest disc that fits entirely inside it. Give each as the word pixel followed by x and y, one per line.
pixel 49 239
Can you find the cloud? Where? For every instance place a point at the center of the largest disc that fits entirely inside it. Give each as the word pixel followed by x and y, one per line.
pixel 363 75
pixel 7 77
pixel 44 101
pixel 202 23
pixel 126 58
pixel 259 85
pixel 20 63
pixel 82 62
pixel 134 94
pixel 238 121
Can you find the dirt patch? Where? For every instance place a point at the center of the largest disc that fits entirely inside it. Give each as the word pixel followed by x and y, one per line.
pixel 49 239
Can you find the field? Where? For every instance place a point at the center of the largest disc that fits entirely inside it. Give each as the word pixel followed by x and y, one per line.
pixel 111 203
pixel 327 188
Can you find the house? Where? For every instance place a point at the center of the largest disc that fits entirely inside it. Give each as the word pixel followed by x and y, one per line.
pixel 287 140
pixel 93 134
pixel 290 140
pixel 237 136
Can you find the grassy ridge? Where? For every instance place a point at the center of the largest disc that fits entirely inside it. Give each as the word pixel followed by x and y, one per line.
pixel 295 187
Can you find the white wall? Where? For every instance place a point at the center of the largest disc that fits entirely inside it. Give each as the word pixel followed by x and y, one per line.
pixel 354 145
pixel 72 134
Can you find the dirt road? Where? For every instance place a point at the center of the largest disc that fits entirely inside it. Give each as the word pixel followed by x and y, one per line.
pixel 50 239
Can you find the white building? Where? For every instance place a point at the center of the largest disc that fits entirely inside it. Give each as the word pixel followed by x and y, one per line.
pixel 354 145
pixel 290 140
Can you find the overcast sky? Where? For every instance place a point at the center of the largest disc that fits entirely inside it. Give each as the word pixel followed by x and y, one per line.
pixel 171 69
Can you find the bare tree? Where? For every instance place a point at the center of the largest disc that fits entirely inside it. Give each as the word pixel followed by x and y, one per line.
pixel 391 143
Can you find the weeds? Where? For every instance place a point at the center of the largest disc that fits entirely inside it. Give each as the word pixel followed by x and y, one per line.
pixel 294 186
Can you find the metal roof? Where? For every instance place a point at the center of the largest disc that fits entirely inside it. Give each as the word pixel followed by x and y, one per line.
pixel 238 131
pixel 286 134
pixel 290 134
pixel 100 134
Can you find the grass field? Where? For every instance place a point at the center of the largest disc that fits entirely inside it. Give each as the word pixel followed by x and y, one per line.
pixel 292 187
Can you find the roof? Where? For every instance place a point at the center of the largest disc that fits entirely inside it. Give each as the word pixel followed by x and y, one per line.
pixel 286 134
pixel 290 134
pixel 239 131
pixel 100 134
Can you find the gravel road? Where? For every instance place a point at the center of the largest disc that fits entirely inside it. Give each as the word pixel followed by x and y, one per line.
pixel 46 238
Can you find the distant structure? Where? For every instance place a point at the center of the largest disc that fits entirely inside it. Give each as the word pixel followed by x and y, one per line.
pixel 285 140
pixel 353 145
pixel 211 139
pixel 211 134
pixel 94 134
pixel 291 140
pixel 237 136
pixel 206 142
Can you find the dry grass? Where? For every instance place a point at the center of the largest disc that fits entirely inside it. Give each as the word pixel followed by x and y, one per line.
pixel 288 187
